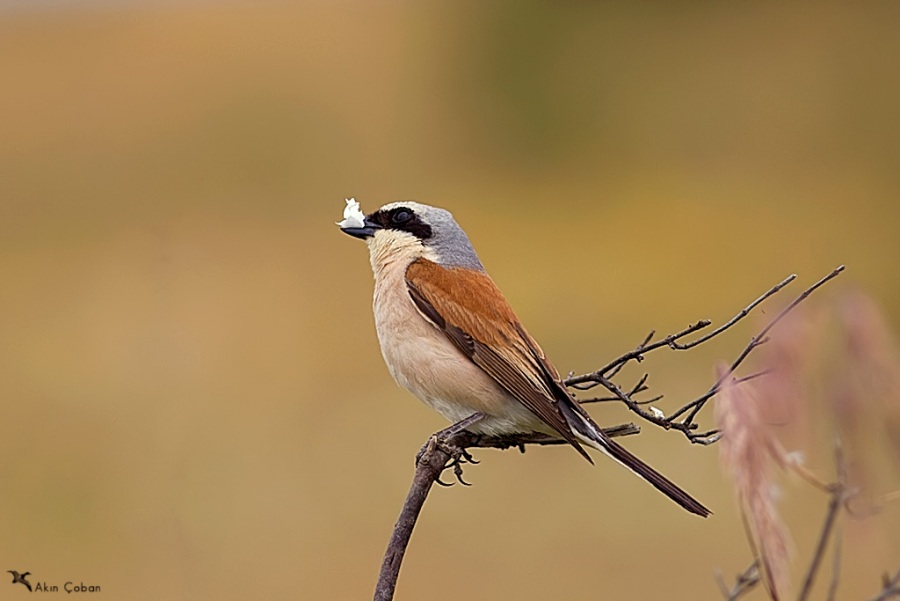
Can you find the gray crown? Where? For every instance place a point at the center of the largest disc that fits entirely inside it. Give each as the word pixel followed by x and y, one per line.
pixel 448 240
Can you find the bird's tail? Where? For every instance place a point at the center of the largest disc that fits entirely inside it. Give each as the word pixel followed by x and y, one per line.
pixel 587 431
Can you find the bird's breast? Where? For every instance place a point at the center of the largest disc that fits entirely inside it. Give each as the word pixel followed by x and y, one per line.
pixel 425 362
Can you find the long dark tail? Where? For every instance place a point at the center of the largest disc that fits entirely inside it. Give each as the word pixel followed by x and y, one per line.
pixel 585 429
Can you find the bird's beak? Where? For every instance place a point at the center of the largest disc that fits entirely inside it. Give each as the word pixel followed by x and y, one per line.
pixel 367 231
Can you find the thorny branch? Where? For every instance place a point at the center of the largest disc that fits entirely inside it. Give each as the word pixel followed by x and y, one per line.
pixel 449 451
pixel 687 425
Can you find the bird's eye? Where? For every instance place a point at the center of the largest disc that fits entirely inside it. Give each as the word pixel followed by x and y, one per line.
pixel 401 217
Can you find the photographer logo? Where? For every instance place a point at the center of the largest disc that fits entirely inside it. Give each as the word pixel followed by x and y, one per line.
pixel 43 587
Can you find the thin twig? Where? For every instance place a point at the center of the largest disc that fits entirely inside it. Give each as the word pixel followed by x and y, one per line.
pixel 672 340
pixel 636 354
pixel 834 507
pixel 744 582
pixel 835 568
pixel 695 406
pixel 743 313
pixel 641 347
pixel 838 496
pixel 686 425
pixel 638 388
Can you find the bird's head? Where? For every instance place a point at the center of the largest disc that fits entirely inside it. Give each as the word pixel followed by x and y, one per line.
pixel 405 231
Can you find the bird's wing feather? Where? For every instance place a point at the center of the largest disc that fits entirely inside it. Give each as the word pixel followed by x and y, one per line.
pixel 490 335
pixel 469 308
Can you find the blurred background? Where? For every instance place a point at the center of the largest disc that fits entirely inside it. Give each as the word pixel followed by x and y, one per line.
pixel 194 400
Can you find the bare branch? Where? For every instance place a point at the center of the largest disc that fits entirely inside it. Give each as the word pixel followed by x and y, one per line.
pixel 834 507
pixel 744 582
pixel 687 426
pixel 672 340
pixel 447 449
pixel 641 386
pixel 428 470
pixel 838 497
pixel 696 405
pixel 613 367
pixel 520 440
pixel 604 375
pixel 743 313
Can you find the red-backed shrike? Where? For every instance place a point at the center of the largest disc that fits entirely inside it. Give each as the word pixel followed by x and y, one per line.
pixel 449 337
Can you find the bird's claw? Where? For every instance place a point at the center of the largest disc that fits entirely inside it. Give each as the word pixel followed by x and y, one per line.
pixel 458 456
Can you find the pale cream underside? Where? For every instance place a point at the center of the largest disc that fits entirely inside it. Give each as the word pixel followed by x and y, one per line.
pixel 422 359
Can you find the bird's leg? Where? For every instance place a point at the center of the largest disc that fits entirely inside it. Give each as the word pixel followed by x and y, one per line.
pixel 458 455
pixel 441 436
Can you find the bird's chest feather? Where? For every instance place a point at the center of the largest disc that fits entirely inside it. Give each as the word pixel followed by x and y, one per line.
pixel 423 360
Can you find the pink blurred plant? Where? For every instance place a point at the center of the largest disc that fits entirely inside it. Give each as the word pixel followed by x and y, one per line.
pixel 756 415
pixel 749 451
pixel 869 384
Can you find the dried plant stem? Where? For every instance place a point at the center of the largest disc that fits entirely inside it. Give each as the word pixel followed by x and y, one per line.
pixel 798 468
pixel 834 508
pixel 835 502
pixel 745 582
pixel 835 568
pixel 763 567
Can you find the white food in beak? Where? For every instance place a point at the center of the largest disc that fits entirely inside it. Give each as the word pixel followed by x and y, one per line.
pixel 353 217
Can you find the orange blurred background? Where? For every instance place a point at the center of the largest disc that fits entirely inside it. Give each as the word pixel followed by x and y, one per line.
pixel 195 404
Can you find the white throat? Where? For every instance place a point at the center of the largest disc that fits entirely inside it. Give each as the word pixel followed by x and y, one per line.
pixel 391 251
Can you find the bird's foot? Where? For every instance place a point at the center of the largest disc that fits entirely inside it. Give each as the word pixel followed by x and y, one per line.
pixel 458 455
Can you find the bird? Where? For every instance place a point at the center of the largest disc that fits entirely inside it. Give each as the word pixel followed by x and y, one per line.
pixel 449 336
pixel 20 578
